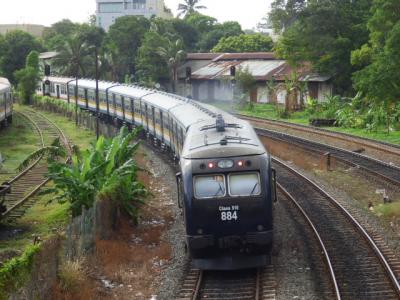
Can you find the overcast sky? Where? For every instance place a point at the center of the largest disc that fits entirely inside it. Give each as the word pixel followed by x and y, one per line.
pixel 47 12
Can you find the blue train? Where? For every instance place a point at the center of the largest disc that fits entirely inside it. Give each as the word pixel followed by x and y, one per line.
pixel 226 185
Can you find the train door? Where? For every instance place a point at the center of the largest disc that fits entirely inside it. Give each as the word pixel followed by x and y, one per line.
pixel 86 99
pixel 162 126
pixel 114 106
pixel 141 114
pixel 171 134
pixel 176 136
pixel 133 110
pixel 153 115
pixel 146 116
pixel 58 91
pixel 123 107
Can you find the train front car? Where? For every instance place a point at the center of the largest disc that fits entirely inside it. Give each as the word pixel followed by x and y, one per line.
pixel 226 188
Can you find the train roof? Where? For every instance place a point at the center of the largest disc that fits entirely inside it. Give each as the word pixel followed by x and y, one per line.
pixel 130 90
pixel 189 114
pixel 90 83
pixel 237 139
pixel 4 83
pixel 62 80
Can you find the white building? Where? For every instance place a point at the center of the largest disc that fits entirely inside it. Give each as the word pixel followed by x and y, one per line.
pixel 107 11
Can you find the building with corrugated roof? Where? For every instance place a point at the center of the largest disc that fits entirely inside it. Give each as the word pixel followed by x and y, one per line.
pixel 211 80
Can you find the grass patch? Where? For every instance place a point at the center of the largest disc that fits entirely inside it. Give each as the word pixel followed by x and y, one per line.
pixel 72 275
pixel 388 211
pixel 41 220
pixel 14 273
pixel 16 143
pixel 79 136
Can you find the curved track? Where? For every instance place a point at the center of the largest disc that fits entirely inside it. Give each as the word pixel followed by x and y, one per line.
pixel 22 188
pixel 370 165
pixel 360 269
pixel 362 141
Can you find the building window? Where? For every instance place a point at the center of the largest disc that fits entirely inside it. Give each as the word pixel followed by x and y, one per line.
pixel 139 4
pixel 111 7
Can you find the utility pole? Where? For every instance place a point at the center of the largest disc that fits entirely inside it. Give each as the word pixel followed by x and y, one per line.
pixel 97 92
pixel 76 99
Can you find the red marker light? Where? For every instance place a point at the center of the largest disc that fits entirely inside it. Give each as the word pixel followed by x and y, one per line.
pixel 240 163
pixel 210 165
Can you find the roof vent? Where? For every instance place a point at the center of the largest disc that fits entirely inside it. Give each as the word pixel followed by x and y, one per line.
pixel 220 123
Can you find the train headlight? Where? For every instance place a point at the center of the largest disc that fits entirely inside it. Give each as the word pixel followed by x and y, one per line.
pixel 225 164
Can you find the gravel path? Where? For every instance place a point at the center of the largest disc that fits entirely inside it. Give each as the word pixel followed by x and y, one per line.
pixel 391 235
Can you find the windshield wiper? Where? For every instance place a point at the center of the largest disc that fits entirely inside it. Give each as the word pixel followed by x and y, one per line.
pixel 219 189
pixel 252 191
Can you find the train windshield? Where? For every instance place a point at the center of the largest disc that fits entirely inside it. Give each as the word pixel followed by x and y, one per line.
pixel 210 186
pixel 244 184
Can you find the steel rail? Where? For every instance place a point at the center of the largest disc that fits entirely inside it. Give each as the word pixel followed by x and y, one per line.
pixel 22 173
pixel 336 152
pixel 355 223
pixel 375 144
pixel 25 198
pixel 318 237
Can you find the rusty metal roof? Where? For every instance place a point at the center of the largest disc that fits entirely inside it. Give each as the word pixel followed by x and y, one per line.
pixel 231 56
pixel 262 65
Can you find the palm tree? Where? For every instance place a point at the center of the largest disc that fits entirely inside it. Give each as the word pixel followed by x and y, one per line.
pixel 189 6
pixel 72 58
pixel 173 54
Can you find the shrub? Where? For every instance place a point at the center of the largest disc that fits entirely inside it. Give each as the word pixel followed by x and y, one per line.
pixel 106 168
pixel 15 273
pixel 72 275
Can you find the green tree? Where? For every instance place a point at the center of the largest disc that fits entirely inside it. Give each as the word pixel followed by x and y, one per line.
pixel 328 31
pixel 17 46
pixel 246 83
pixel 173 54
pixel 28 77
pixel 284 13
pixel 73 57
pixel 55 35
pixel 379 80
pixel 126 34
pixel 189 7
pixel 210 39
pixel 151 66
pixel 244 43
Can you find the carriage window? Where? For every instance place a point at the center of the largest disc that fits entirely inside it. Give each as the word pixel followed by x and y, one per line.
pixel 209 186
pixel 244 184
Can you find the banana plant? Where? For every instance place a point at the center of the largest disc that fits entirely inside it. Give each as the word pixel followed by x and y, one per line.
pixel 106 169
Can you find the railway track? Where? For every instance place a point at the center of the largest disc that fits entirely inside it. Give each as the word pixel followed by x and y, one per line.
pixel 19 191
pixel 255 284
pixel 361 141
pixel 360 265
pixel 375 167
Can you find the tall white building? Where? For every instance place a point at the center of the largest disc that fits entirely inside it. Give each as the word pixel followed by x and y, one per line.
pixel 107 11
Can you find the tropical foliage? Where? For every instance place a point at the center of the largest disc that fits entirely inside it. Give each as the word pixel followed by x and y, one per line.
pixel 189 6
pixel 244 43
pixel 106 170
pixel 28 77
